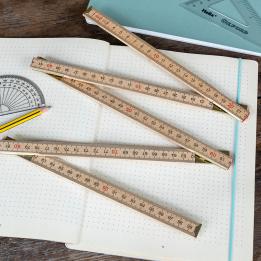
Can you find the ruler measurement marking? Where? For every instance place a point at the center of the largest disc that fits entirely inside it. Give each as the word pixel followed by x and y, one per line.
pixel 96 150
pixel 118 194
pixel 181 138
pixel 108 80
pixel 175 69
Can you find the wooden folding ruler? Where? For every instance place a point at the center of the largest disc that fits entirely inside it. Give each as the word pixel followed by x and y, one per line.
pixel 114 151
pixel 181 138
pixel 103 79
pixel 108 80
pixel 118 194
pixel 168 64
pixel 85 81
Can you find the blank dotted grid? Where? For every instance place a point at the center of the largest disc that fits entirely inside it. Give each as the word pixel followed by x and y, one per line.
pixel 27 191
pixel 201 192
pixel 31 193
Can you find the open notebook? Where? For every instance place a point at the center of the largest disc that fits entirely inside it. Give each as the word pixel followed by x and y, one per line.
pixel 49 207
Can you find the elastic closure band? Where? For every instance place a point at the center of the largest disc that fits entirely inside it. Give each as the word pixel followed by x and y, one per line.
pixel 234 174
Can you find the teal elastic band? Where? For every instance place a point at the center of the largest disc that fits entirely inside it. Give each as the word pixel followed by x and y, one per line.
pixel 234 175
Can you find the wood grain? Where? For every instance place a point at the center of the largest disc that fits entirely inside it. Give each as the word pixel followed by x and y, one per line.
pixel 57 18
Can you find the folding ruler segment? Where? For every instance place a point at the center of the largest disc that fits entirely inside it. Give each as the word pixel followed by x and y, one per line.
pixel 166 63
pixel 115 151
pixel 181 138
pixel 250 31
pixel 118 194
pixel 100 78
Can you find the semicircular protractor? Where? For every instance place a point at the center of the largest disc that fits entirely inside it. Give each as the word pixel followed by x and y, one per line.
pixel 18 94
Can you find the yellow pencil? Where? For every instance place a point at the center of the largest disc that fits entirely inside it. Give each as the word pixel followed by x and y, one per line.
pixel 22 119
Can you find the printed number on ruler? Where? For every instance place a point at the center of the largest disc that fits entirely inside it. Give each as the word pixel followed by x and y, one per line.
pixel 118 194
pixel 175 69
pixel 181 138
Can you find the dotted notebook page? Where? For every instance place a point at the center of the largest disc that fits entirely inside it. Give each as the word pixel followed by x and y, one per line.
pixel 202 192
pixel 34 202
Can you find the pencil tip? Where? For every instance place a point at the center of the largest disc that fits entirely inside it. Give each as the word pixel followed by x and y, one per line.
pixel 45 109
pixel 26 157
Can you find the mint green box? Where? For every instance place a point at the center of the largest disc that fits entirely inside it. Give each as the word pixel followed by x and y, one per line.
pixel 169 19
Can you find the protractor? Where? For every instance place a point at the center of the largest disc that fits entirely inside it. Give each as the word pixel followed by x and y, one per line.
pixel 18 94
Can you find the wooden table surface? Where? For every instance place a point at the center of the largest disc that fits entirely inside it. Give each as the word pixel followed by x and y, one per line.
pixel 54 18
